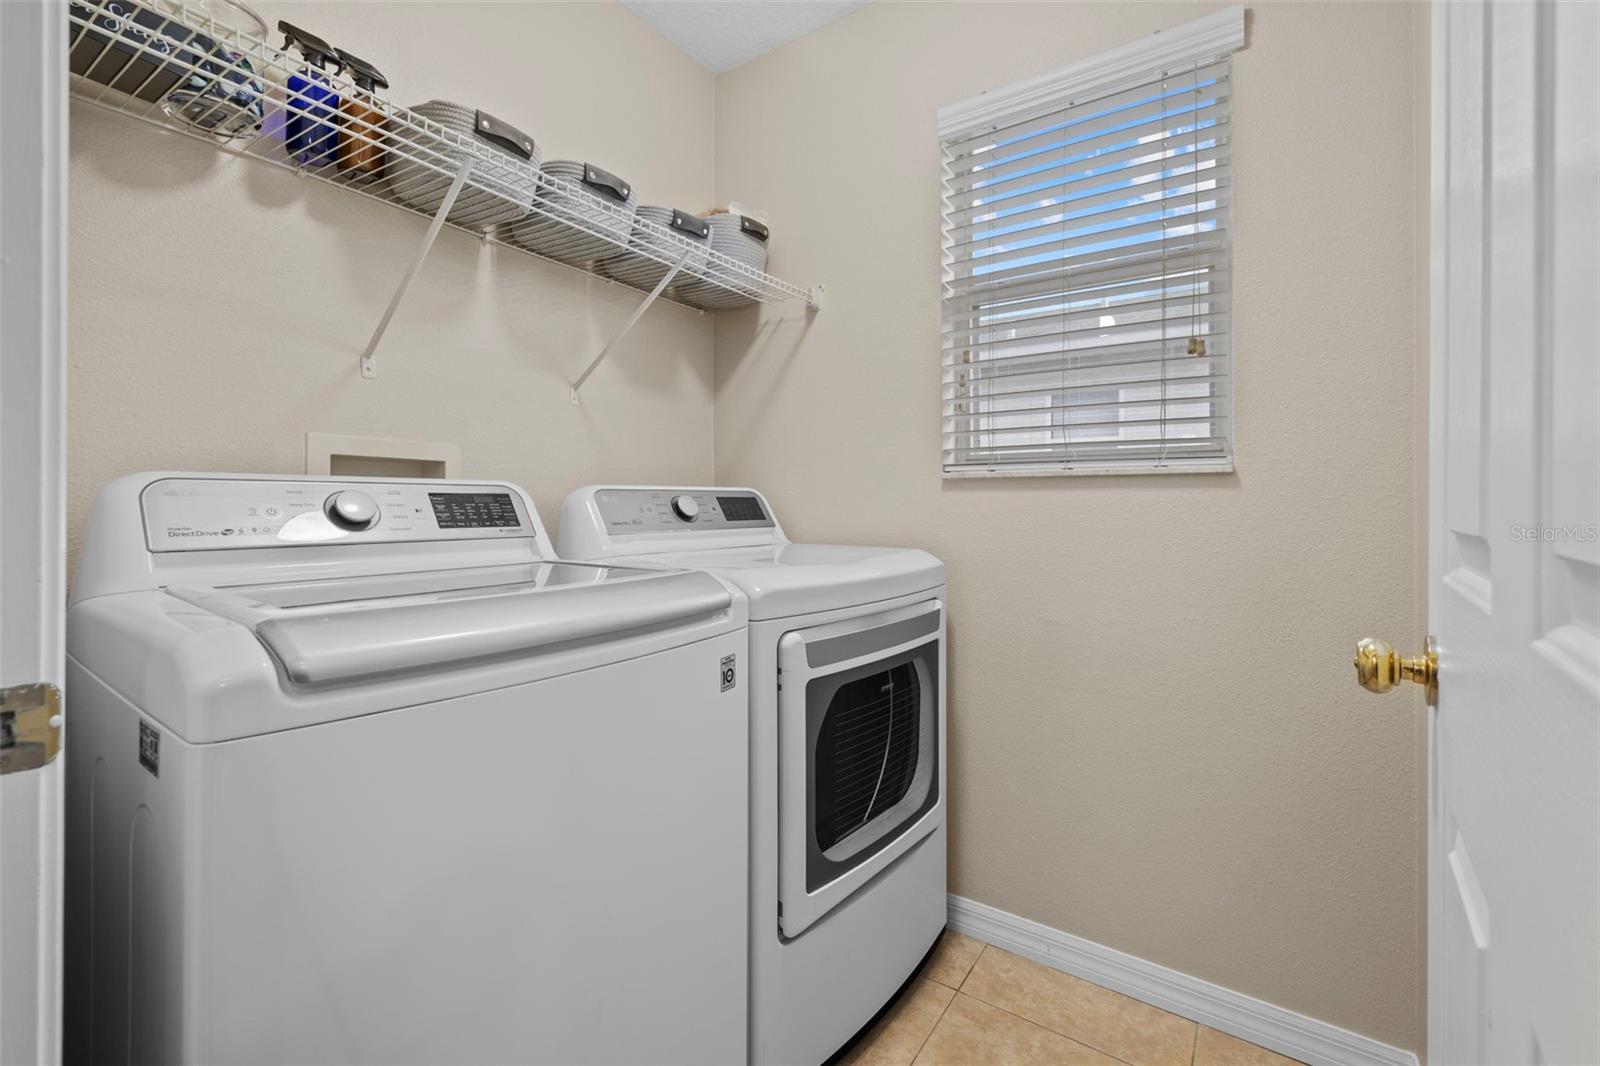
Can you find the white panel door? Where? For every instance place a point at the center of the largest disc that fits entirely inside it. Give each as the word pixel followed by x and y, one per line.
pixel 33 92
pixel 1514 558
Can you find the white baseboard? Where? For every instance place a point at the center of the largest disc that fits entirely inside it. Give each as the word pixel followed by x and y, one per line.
pixel 1257 1021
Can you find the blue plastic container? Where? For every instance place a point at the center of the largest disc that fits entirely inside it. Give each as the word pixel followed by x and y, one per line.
pixel 311 131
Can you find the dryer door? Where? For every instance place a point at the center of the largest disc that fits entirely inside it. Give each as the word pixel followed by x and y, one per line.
pixel 861 753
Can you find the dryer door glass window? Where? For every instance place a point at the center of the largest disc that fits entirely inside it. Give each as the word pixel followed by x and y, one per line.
pixel 866 753
pixel 874 760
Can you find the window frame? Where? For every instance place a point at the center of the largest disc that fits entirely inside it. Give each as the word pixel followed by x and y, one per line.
pixel 1213 37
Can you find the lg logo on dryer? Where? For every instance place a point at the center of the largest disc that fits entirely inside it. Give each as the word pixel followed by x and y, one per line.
pixel 150 749
pixel 730 676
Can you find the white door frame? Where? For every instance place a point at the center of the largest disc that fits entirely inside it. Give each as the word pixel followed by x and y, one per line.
pixel 33 194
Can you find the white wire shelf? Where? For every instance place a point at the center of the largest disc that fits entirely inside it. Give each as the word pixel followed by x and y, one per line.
pixel 174 65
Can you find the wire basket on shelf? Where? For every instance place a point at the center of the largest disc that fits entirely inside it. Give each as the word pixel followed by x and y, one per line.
pixel 184 58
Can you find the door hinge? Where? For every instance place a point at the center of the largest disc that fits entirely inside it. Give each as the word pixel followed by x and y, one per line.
pixel 30 726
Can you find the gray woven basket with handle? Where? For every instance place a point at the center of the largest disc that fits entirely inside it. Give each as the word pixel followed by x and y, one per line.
pixel 423 160
pixel 598 200
pixel 688 233
pixel 739 238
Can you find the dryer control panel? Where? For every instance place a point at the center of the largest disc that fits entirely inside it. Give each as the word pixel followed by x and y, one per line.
pixel 668 510
pixel 203 514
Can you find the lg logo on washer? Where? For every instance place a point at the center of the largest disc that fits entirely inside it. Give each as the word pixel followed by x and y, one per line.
pixel 730 676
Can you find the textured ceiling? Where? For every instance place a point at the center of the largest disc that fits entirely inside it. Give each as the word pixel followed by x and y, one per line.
pixel 722 35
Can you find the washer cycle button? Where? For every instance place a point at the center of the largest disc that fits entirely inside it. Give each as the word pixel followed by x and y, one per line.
pixel 352 509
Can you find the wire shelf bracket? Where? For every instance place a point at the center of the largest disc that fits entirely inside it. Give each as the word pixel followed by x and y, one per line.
pixel 369 359
pixel 633 320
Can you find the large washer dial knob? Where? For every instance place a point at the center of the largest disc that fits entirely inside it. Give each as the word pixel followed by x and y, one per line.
pixel 352 509
pixel 686 507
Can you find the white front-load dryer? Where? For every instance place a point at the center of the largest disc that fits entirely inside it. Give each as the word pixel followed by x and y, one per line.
pixel 847 749
pixel 361 773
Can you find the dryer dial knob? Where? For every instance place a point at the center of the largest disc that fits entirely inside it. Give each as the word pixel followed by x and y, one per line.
pixel 686 507
pixel 352 509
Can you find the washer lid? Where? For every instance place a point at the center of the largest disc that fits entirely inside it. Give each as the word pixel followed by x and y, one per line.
pixel 353 628
pixel 785 579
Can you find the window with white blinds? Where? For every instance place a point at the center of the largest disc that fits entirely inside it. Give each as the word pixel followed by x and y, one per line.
pixel 1086 265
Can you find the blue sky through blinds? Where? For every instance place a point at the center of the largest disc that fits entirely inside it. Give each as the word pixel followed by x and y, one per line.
pixel 1159 203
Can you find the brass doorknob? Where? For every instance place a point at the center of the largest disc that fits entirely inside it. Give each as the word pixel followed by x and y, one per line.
pixel 1379 669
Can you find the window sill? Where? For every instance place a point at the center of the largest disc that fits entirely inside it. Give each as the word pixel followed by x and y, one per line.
pixel 1208 466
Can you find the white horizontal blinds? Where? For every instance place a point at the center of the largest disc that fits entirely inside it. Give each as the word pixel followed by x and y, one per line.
pixel 1086 291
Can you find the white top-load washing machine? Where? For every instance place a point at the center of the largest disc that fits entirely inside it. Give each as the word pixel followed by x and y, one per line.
pixel 360 773
pixel 847 776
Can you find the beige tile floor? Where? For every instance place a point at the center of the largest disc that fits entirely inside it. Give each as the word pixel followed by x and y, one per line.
pixel 975 1005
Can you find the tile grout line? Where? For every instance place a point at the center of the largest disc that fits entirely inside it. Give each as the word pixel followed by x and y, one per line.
pixel 974 966
pixel 1194 1052
pixel 1069 1036
pixel 1038 1025
pixel 1029 1021
pixel 954 992
pixel 943 1011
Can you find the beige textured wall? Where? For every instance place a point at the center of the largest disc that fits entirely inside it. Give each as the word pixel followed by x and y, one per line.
pixel 1156 742
pixel 218 306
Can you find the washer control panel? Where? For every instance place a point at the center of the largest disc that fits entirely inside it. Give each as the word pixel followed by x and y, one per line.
pixel 626 511
pixel 200 514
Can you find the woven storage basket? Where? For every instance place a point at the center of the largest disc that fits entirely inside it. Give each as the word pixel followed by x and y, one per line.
pixel 741 239
pixel 422 163
pixel 599 200
pixel 642 272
